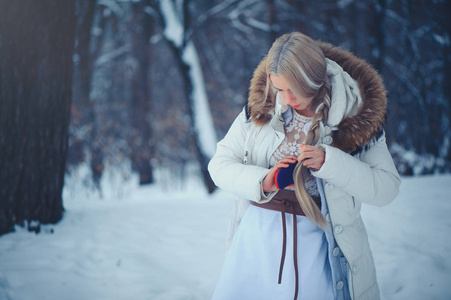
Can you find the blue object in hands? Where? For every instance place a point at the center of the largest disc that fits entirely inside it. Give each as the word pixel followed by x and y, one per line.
pixel 284 176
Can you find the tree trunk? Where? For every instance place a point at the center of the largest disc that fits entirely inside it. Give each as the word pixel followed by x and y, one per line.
pixel 81 104
pixel 140 139
pixel 36 48
pixel 202 158
pixel 186 65
pixel 272 21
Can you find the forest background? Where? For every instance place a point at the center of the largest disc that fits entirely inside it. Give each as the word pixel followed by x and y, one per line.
pixel 140 91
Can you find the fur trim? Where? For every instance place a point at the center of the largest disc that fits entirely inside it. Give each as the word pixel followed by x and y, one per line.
pixel 260 110
pixel 353 132
pixel 356 131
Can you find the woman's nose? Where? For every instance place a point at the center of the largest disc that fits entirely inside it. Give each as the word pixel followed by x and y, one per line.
pixel 290 97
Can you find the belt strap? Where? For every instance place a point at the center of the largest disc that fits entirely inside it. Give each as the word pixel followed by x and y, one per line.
pixel 285 201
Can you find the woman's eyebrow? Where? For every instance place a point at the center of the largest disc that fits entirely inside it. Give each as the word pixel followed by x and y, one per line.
pixel 280 90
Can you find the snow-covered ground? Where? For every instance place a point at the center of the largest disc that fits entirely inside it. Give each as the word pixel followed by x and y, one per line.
pixel 154 245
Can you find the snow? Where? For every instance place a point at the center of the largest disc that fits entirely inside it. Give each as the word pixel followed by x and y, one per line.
pixel 411 240
pixel 173 30
pixel 419 163
pixel 151 244
pixel 441 39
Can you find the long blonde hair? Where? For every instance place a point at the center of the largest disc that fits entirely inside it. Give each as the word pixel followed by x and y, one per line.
pixel 301 63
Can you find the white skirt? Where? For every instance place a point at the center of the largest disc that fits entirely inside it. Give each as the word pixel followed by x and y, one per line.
pixel 251 267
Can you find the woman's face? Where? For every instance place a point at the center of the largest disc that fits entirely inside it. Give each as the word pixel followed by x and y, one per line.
pixel 300 104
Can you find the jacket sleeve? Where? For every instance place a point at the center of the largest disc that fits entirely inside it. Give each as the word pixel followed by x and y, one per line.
pixel 228 170
pixel 372 179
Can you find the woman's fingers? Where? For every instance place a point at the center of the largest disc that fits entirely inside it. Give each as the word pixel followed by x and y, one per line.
pixel 289 159
pixel 311 156
pixel 268 182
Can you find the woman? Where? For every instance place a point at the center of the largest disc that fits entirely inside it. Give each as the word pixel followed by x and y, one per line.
pixel 321 107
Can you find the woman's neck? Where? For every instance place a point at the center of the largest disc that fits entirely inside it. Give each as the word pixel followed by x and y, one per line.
pixel 307 112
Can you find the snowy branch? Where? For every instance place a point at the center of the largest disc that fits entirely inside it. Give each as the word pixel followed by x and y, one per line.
pixel 258 25
pixel 173 30
pixel 199 22
pixel 107 57
pixel 113 7
pixel 400 71
pixel 215 10
pixel 235 14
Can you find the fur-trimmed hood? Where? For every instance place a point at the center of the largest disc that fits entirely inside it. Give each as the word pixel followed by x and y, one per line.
pixel 354 132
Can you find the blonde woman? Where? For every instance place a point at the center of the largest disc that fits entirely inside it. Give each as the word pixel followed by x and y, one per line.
pixel 322 109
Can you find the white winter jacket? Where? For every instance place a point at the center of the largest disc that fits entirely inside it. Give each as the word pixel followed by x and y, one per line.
pixel 360 172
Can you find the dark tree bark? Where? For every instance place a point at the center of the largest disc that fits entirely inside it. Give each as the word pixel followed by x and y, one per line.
pixel 380 34
pixel 272 20
pixel 445 24
pixel 36 48
pixel 140 138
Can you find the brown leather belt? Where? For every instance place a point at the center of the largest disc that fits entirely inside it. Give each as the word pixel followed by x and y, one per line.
pixel 285 201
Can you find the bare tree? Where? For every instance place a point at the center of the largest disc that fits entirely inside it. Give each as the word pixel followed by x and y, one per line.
pixel 140 138
pixel 36 48
pixel 175 19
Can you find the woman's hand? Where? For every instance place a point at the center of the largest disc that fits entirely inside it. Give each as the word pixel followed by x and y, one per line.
pixel 268 183
pixel 312 157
